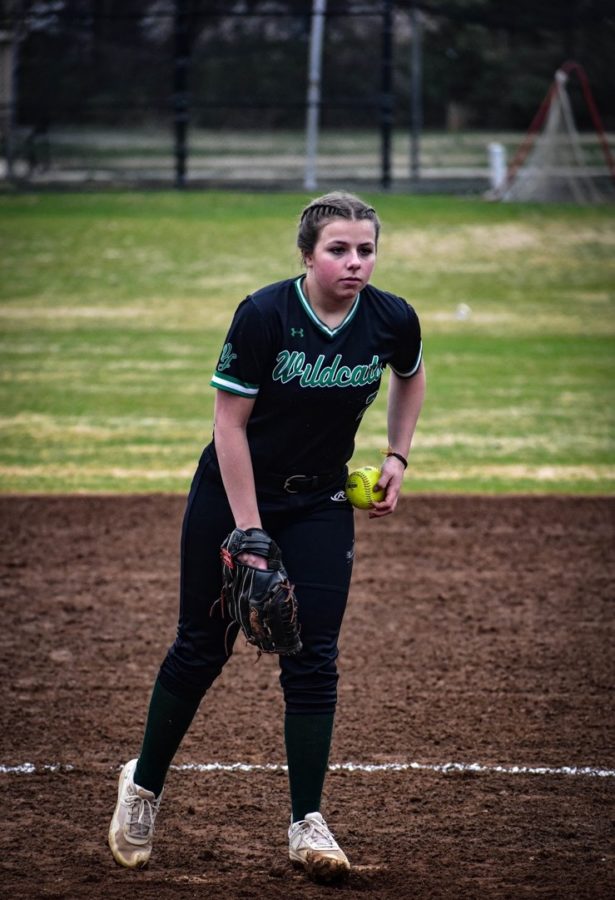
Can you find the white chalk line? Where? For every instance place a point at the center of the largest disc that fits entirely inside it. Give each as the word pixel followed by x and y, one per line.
pixel 443 768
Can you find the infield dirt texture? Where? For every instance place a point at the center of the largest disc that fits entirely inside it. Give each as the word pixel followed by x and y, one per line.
pixel 480 630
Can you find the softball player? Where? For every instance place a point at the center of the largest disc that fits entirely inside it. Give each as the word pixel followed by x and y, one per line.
pixel 300 365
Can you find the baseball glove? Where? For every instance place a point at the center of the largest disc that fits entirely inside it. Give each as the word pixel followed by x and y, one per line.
pixel 261 601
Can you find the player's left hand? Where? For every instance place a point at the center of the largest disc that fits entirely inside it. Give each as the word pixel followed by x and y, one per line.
pixel 253 560
pixel 390 481
pixel 259 598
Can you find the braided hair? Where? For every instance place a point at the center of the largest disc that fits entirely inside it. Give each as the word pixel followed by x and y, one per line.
pixel 335 205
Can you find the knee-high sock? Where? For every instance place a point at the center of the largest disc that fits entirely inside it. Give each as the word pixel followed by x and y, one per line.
pixel 168 720
pixel 308 741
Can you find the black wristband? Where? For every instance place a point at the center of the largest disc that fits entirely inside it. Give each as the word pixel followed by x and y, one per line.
pixel 398 456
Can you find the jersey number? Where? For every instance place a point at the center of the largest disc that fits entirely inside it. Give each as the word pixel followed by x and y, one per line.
pixel 368 402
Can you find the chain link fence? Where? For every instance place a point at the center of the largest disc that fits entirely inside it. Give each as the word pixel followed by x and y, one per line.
pixel 194 95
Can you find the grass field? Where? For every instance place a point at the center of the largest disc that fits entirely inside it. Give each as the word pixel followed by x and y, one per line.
pixel 114 307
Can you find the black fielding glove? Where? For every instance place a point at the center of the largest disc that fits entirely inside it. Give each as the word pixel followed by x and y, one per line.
pixel 261 601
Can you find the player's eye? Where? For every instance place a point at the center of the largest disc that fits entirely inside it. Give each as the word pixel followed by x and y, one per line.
pixel 366 251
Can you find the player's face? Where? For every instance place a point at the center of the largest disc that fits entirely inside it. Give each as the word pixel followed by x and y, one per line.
pixel 342 260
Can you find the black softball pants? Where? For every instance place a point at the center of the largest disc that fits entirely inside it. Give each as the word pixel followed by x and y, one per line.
pixel 315 533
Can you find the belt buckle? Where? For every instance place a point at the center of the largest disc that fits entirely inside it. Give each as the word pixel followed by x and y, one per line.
pixel 287 486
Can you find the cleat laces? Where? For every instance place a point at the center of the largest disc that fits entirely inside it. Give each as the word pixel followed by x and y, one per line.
pixel 141 816
pixel 317 835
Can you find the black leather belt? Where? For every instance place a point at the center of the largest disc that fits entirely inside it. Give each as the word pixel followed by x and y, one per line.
pixel 301 484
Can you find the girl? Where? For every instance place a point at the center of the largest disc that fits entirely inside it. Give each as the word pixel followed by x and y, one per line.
pixel 301 363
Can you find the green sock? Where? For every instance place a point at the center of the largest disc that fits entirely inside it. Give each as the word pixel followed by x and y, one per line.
pixel 168 720
pixel 308 741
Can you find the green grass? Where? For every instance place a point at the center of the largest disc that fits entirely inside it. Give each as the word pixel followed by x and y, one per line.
pixel 113 308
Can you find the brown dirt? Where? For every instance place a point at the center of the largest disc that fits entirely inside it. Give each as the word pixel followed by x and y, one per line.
pixel 479 630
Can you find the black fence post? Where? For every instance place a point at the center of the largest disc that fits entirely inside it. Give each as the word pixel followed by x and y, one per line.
pixel 416 92
pixel 386 97
pixel 180 91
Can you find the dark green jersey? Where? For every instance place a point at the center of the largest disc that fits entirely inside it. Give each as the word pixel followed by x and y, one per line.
pixel 311 383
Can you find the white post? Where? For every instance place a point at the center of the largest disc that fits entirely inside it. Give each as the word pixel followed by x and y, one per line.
pixel 497 166
pixel 313 92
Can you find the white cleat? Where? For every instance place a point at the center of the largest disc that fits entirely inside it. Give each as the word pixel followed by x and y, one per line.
pixel 311 845
pixel 131 832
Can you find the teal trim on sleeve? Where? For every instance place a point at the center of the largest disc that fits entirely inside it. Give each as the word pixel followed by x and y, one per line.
pixel 233 385
pixel 414 368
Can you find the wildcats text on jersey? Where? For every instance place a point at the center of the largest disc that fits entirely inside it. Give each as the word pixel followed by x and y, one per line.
pixel 292 364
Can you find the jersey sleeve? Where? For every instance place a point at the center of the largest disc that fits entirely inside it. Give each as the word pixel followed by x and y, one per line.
pixel 244 354
pixel 408 354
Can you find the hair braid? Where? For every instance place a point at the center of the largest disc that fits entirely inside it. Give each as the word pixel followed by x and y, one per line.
pixel 337 204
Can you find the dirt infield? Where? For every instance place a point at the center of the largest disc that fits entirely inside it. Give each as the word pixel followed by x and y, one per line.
pixel 480 630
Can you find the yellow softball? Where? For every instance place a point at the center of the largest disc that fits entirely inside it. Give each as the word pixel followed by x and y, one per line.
pixel 360 487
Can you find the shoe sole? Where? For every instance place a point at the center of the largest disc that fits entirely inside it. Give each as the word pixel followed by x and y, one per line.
pixel 141 856
pixel 322 868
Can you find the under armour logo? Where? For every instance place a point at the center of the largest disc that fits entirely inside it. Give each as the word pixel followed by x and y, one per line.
pixel 296 332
